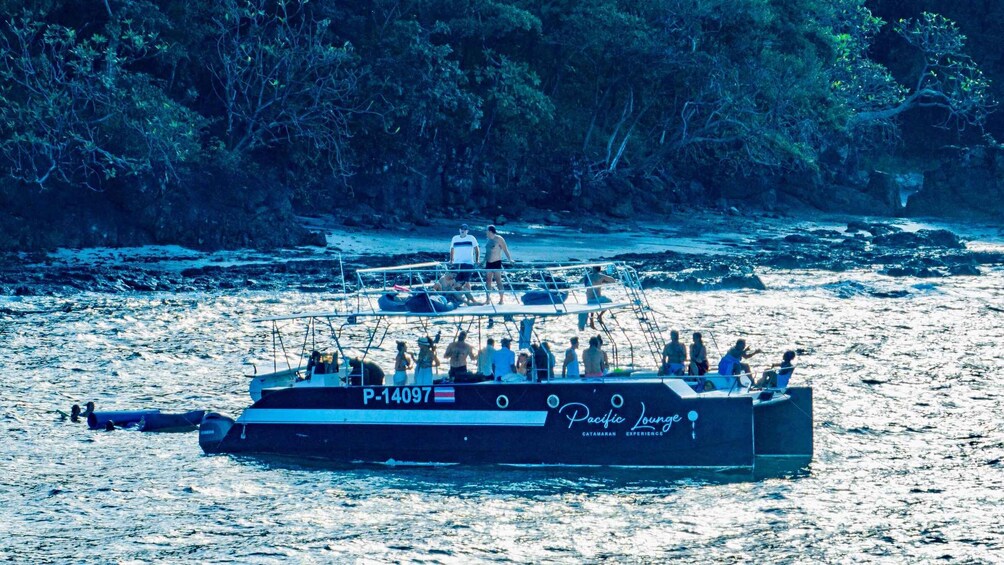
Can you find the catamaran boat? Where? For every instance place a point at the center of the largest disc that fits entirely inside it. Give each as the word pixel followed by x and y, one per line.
pixel 630 416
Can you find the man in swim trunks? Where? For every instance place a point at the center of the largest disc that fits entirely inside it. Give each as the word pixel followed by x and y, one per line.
pixel 494 248
pixel 674 355
pixel 464 254
pixel 457 353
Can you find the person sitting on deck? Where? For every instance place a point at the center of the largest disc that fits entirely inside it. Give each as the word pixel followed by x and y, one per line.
pixel 778 378
pixel 454 291
pixel 674 355
pixel 457 353
pixel 366 373
pixel 504 360
pixel 698 356
pixel 315 366
pixel 593 279
pixel 594 359
pixel 523 363
pixel 732 362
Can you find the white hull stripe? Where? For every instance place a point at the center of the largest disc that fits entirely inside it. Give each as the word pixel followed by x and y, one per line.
pixel 393 417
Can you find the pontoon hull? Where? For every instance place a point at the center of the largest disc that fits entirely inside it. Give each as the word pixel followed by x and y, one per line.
pixel 606 423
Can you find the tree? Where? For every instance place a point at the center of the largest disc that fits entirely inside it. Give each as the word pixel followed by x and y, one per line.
pixel 281 82
pixel 946 78
pixel 74 112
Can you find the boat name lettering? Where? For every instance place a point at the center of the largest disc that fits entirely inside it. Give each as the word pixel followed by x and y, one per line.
pixel 578 412
pixel 397 395
pixel 649 423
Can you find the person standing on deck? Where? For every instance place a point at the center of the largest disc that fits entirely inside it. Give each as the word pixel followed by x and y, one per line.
pixel 402 363
pixel 570 366
pixel 464 255
pixel 426 361
pixel 485 358
pixel 457 353
pixel 494 248
pixel 550 359
pixel 594 359
pixel 674 355
pixel 593 279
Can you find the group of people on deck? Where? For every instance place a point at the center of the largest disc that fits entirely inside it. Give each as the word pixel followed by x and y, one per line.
pixel 465 256
pixel 536 363
pixel 674 361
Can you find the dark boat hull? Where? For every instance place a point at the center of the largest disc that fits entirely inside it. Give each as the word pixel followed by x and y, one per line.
pixel 644 424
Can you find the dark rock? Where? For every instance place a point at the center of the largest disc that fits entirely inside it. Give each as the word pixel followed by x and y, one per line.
pixel 785 261
pixel 799 238
pixel 872 228
pixel 942 238
pixel 739 281
pixel 922 238
pixel 964 270
pixel 969 181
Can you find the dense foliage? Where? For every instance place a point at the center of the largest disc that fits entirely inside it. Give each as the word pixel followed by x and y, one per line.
pixel 592 104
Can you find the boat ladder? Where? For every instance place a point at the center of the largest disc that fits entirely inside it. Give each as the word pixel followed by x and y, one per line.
pixel 644 313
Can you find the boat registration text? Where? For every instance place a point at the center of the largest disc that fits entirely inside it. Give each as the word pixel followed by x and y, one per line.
pixel 399 395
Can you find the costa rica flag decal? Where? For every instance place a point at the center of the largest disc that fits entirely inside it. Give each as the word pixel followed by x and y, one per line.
pixel 444 394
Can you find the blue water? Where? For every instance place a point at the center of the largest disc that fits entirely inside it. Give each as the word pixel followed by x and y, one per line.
pixel 908 464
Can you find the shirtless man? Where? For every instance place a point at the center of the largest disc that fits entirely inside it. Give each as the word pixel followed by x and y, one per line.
pixel 674 355
pixel 494 249
pixel 457 353
pixel 452 289
pixel 594 295
pixel 594 359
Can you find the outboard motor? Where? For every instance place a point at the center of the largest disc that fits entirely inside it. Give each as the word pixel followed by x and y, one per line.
pixel 213 431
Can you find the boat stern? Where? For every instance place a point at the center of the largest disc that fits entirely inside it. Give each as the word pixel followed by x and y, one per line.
pixel 784 429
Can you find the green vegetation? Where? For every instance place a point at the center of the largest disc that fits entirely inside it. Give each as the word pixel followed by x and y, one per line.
pixel 596 104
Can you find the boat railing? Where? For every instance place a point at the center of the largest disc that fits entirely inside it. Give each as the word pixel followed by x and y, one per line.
pixel 560 283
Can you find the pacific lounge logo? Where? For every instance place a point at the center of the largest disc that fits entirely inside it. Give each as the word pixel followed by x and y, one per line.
pixel 608 423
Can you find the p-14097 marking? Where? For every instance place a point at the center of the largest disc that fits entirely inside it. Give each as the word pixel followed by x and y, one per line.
pixel 401 395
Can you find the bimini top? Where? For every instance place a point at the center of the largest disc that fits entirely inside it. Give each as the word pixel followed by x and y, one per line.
pixel 441 290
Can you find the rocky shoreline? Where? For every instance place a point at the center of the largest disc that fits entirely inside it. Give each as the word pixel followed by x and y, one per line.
pixel 891 250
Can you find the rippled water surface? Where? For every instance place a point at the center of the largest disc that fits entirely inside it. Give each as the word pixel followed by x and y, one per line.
pixel 908 463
